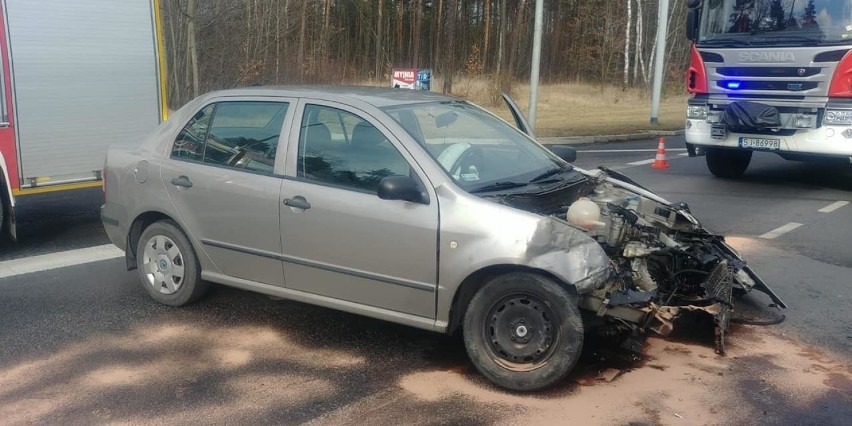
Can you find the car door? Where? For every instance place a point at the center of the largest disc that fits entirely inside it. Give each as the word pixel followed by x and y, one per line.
pixel 340 239
pixel 224 176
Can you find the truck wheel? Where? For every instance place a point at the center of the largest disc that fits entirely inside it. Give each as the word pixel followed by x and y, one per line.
pixel 727 163
pixel 523 331
pixel 168 267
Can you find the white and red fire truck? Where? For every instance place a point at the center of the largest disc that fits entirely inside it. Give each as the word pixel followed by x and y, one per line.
pixel 769 75
pixel 76 77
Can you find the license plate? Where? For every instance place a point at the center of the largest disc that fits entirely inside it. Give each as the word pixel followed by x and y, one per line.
pixel 760 143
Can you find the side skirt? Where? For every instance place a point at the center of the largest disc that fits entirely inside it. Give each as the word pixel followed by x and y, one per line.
pixel 327 302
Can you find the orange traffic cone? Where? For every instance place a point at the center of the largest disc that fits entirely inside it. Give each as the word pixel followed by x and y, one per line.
pixel 660 161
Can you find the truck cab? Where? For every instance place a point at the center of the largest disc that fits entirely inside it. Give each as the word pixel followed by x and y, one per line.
pixel 769 75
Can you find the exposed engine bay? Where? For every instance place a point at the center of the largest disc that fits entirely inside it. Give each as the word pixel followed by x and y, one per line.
pixel 663 263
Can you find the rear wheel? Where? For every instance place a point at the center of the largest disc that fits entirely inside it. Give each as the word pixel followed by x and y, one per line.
pixel 168 267
pixel 523 331
pixel 727 163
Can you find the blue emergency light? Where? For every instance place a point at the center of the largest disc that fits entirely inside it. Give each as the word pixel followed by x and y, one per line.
pixel 733 85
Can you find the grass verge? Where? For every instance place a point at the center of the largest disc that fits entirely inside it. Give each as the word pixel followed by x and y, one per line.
pixel 579 109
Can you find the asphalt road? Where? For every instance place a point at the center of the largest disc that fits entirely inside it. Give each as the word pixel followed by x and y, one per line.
pixel 84 344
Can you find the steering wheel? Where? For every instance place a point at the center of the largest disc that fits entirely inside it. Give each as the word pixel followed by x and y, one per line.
pixel 453 158
pixel 465 156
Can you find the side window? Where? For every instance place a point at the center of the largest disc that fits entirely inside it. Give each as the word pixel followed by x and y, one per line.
pixel 189 144
pixel 244 135
pixel 342 149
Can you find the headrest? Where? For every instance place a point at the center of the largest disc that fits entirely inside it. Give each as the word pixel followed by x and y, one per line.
pixel 366 135
pixel 317 133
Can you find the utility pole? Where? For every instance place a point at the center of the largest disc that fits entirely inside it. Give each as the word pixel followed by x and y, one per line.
pixel 659 61
pixel 536 61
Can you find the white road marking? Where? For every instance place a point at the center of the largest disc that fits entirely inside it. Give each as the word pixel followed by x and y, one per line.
pixel 781 230
pixel 833 206
pixel 639 163
pixel 683 155
pixel 603 151
pixel 46 262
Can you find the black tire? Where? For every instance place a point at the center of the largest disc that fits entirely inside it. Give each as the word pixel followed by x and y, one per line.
pixel 190 287
pixel 727 163
pixel 2 213
pixel 535 357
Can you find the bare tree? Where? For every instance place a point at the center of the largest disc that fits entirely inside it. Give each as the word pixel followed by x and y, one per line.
pixel 627 43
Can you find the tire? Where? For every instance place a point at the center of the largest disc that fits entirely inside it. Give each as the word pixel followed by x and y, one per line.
pixel 2 213
pixel 727 163
pixel 167 264
pixel 523 331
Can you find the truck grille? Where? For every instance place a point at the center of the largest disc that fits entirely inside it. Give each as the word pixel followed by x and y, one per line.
pixel 800 71
pixel 794 72
pixel 790 86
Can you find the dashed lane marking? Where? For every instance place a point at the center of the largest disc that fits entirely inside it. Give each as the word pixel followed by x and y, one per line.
pixel 833 206
pixel 639 163
pixel 781 230
pixel 46 262
pixel 604 151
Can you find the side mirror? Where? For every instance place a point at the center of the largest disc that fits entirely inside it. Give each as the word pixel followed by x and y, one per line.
pixel 401 188
pixel 693 17
pixel 564 152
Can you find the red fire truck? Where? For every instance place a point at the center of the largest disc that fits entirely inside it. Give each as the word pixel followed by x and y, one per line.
pixel 76 76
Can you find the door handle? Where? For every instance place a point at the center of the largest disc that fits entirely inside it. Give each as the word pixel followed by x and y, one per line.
pixel 297 202
pixel 182 182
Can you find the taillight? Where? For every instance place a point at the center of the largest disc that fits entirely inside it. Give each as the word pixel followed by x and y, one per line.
pixel 696 76
pixel 841 83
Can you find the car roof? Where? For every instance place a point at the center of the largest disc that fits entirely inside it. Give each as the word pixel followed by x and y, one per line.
pixel 378 97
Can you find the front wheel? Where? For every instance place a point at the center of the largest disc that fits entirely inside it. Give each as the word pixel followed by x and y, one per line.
pixel 523 331
pixel 727 163
pixel 167 265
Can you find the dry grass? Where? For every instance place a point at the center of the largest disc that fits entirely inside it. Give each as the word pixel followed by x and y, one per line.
pixel 578 109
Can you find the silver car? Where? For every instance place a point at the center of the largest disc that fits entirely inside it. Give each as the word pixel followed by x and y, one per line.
pixel 416 208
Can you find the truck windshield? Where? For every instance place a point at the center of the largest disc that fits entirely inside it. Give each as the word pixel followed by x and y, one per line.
pixel 740 23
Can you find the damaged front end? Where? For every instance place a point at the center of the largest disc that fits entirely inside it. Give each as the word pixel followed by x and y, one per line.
pixel 665 263
pixel 662 263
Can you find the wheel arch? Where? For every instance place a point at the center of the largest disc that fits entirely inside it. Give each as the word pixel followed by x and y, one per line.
pixel 142 221
pixel 473 282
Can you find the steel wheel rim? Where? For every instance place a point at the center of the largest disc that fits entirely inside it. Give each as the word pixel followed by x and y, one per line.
pixel 163 264
pixel 520 331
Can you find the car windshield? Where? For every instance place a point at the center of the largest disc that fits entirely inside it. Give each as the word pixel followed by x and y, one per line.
pixel 736 23
pixel 478 151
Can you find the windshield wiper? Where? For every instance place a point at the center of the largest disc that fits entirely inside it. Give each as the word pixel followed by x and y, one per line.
pixel 724 42
pixel 496 186
pixel 788 38
pixel 547 174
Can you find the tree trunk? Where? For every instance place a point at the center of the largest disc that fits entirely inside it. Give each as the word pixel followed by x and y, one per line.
pixel 300 58
pixel 192 10
pixel 627 44
pixel 486 35
pixel 379 37
pixel 415 36
pixel 449 54
pixel 326 28
pixel 501 41
pixel 436 55
pixel 400 16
